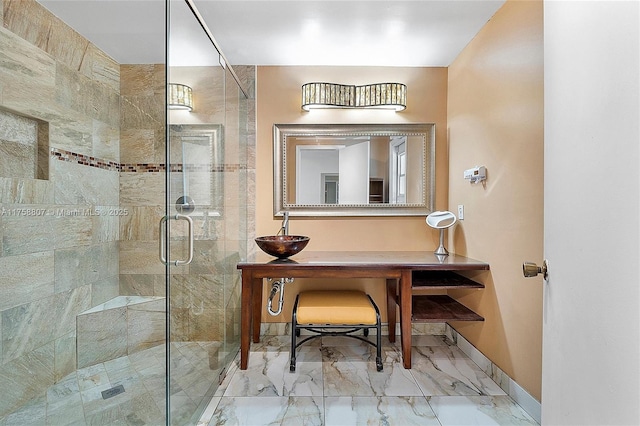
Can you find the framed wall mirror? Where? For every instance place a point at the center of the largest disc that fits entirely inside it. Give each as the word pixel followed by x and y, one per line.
pixel 354 169
pixel 197 152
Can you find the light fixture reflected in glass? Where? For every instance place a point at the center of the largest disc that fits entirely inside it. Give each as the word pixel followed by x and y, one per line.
pixel 331 95
pixel 179 96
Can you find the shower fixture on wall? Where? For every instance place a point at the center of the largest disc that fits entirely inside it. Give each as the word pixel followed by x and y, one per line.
pixel 330 95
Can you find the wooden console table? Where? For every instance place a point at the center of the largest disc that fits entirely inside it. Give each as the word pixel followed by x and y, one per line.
pixel 411 269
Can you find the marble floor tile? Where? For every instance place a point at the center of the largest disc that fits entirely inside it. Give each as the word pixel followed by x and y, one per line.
pixel 428 340
pixel 345 341
pixel 354 393
pixel 281 343
pixel 359 410
pixel 268 374
pixel 235 366
pixel 207 415
pixel 64 388
pixel 271 410
pixel 446 370
pixel 69 402
pixel 93 376
pixel 142 410
pixel 351 371
pixel 33 413
pixel 182 409
pixel 66 412
pixel 479 410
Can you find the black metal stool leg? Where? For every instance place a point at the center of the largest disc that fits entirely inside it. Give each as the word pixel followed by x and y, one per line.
pixel 378 349
pixel 294 333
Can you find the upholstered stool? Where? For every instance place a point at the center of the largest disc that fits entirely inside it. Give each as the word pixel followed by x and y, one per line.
pixel 335 313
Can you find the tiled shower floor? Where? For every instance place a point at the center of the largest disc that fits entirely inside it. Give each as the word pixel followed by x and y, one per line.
pixel 77 399
pixel 335 383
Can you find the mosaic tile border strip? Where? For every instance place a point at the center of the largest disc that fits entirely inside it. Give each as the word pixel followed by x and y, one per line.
pixel 86 160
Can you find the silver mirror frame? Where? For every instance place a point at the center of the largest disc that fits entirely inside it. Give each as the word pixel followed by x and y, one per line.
pixel 282 131
pixel 214 134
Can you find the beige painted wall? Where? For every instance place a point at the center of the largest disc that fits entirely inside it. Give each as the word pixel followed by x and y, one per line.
pixel 495 119
pixel 488 111
pixel 278 101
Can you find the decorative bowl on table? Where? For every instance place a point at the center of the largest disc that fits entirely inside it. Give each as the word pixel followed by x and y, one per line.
pixel 282 246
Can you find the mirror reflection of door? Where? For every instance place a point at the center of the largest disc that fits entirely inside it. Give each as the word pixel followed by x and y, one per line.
pixel 312 163
pixel 331 188
pixel 354 173
pixel 398 172
pixel 349 163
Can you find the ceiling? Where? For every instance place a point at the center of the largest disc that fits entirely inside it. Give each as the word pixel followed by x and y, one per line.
pixel 272 32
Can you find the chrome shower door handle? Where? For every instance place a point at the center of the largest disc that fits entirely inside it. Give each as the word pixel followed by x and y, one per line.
pixel 163 256
pixel 190 231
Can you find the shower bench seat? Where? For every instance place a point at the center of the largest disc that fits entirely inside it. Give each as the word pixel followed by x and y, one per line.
pixel 120 326
pixel 400 269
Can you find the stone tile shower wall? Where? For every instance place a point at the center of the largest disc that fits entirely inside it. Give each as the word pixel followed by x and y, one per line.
pixel 212 291
pixel 142 180
pixel 58 233
pixel 86 229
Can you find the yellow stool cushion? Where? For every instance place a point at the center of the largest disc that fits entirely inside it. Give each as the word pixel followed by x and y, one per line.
pixel 348 307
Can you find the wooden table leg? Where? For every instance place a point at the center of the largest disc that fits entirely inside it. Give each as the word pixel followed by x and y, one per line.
pixel 405 317
pixel 257 308
pixel 392 291
pixel 245 318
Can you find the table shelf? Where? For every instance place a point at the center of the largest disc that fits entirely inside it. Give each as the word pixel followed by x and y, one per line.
pixel 442 280
pixel 440 308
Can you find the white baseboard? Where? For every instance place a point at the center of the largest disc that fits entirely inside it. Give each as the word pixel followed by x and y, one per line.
pixel 528 403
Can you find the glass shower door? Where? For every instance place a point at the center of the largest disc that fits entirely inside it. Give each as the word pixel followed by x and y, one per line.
pixel 199 226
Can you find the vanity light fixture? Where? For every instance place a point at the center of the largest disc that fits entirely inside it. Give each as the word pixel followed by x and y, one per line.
pixel 330 95
pixel 179 96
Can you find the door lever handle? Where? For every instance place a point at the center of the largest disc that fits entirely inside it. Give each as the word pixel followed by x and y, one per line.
pixel 530 269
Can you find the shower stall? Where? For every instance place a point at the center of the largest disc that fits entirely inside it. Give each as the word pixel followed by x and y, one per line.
pixel 121 220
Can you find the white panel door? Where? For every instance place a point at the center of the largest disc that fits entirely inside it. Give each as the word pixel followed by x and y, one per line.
pixel 591 331
pixel 311 164
pixel 354 174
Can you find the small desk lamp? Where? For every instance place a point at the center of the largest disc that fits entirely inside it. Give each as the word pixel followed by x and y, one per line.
pixel 441 220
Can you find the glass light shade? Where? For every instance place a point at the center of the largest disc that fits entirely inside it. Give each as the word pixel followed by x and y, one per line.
pixel 179 96
pixel 331 95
